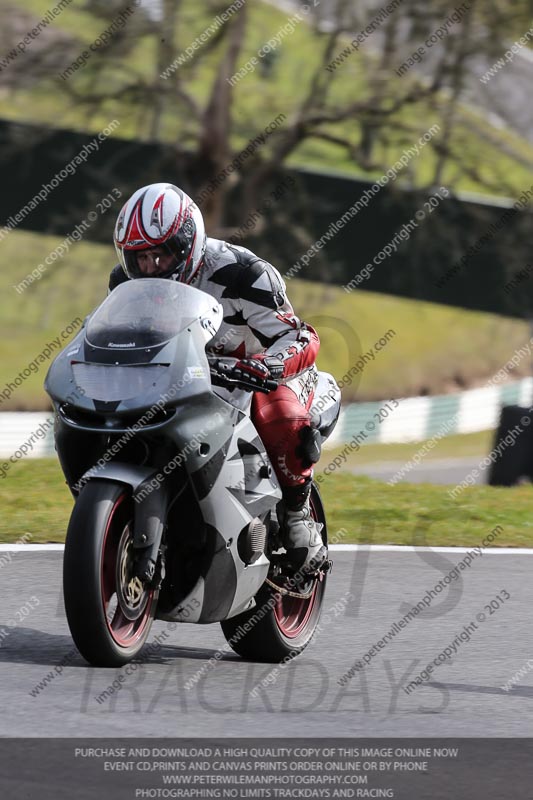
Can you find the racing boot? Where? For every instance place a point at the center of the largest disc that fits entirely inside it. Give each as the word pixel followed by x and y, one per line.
pixel 300 534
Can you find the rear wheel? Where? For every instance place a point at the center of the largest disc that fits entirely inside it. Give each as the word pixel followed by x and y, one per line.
pixel 285 616
pixel 109 610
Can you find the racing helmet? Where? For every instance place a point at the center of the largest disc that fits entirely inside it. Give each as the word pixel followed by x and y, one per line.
pixel 163 221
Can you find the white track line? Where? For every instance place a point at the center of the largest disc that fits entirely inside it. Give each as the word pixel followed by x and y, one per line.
pixel 402 548
pixel 347 548
pixel 30 548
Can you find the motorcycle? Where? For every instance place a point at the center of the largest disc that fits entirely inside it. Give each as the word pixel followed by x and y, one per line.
pixel 176 520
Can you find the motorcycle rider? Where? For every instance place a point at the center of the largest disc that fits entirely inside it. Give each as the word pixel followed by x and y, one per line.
pixel 160 233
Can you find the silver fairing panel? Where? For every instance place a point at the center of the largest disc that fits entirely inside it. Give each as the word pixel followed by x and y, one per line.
pixel 231 493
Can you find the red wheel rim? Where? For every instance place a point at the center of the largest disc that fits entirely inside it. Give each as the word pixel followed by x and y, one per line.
pixel 293 613
pixel 125 632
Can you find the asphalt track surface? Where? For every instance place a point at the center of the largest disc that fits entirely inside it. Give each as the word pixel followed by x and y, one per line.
pixel 463 698
pixel 448 471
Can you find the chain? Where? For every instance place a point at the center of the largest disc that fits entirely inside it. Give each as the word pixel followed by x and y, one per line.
pixel 288 593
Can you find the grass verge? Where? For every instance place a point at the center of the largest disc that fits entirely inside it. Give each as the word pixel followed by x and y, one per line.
pixel 37 502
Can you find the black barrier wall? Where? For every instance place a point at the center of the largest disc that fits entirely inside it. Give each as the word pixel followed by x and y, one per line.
pixel 424 245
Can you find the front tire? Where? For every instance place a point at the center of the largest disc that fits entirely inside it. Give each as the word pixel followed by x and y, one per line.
pixel 109 611
pixel 281 627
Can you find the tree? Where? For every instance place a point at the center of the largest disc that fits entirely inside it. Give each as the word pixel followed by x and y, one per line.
pixel 172 72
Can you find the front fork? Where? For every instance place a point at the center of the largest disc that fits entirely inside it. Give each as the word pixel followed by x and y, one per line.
pixel 150 512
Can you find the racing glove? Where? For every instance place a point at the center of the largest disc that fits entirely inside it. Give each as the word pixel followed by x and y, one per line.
pixel 256 370
pixel 251 370
pixel 259 368
pixel 274 365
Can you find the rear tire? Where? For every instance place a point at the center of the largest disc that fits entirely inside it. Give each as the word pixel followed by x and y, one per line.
pixel 281 627
pixel 109 613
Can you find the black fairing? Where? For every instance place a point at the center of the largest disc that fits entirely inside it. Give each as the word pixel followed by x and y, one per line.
pixel 220 580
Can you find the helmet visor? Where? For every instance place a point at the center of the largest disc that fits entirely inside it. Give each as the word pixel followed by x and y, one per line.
pixel 163 261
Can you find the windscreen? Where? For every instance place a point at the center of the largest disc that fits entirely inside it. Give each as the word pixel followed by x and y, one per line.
pixel 145 313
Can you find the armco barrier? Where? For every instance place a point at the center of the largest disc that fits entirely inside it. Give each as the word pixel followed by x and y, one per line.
pixel 415 418
pixel 16 429
pixel 420 418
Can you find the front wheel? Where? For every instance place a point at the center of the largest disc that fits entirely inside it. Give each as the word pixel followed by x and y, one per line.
pixel 109 611
pixel 283 621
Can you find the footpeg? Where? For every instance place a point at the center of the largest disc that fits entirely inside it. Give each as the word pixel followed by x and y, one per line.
pixel 327 566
